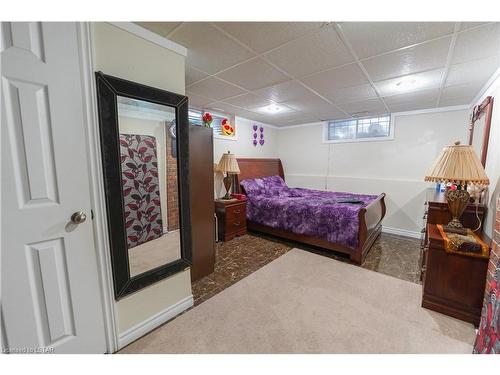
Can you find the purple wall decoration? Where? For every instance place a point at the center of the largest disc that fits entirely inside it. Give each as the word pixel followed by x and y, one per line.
pixel 261 140
pixel 140 187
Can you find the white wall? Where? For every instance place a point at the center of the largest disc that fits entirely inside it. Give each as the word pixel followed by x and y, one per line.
pixel 121 54
pixel 243 147
pixel 492 166
pixel 396 167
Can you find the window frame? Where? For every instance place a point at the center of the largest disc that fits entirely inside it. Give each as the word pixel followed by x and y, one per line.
pixel 390 137
pixel 230 117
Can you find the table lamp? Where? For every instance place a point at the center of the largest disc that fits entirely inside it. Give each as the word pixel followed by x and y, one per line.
pixel 229 166
pixel 459 165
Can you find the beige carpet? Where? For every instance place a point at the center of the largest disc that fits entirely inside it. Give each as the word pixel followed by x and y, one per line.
pixel 307 303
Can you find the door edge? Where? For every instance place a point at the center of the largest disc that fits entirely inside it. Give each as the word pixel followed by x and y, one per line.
pixel 101 240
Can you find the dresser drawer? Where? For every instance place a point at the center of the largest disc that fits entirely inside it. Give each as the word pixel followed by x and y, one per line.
pixel 232 219
pixel 235 212
pixel 235 218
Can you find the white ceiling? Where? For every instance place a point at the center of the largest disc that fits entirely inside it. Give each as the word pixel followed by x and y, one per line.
pixel 327 70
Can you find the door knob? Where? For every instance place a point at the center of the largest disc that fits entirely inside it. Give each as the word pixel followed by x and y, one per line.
pixel 78 217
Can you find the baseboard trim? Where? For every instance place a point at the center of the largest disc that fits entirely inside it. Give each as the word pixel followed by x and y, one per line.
pixel 148 325
pixel 401 232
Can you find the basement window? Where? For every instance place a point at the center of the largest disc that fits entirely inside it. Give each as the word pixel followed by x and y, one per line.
pixel 195 118
pixel 359 129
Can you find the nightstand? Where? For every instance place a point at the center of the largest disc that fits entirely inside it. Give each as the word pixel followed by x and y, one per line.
pixel 231 217
pixel 453 282
pixel 436 212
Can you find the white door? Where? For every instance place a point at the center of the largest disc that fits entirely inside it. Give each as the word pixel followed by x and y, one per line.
pixel 50 287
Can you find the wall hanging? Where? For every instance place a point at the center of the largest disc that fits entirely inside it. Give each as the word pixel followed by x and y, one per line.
pixel 258 138
pixel 140 188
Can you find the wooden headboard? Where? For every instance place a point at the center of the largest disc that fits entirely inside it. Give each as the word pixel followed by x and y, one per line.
pixel 258 168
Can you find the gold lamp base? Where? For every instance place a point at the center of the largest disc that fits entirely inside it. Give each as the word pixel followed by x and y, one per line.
pixel 227 185
pixel 457 202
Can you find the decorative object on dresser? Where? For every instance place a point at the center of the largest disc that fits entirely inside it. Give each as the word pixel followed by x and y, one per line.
pixel 454 281
pixel 231 218
pixel 229 166
pixel 460 166
pixel 436 212
pixel 201 168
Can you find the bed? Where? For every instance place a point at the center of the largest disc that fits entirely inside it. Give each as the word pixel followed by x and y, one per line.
pixel 343 222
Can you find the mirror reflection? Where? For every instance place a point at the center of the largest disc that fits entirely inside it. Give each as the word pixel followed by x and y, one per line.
pixel 149 183
pixel 478 135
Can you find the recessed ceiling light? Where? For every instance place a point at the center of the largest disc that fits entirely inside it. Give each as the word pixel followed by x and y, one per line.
pixel 273 108
pixel 406 83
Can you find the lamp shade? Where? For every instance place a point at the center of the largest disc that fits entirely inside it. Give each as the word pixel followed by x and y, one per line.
pixel 458 164
pixel 228 164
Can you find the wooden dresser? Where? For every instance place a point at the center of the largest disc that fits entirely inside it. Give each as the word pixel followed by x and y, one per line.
pixel 453 282
pixel 436 212
pixel 232 218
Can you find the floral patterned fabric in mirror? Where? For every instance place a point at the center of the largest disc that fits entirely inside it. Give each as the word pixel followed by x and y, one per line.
pixel 140 188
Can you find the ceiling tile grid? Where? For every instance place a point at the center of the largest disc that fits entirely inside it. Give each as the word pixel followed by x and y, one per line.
pixel 319 70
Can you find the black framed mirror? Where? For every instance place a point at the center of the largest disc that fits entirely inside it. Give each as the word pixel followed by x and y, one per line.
pixel 145 153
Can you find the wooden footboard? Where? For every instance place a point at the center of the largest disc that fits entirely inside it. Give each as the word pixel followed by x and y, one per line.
pixel 370 227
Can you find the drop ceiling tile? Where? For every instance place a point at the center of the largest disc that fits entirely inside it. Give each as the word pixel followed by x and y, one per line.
pixel 263 36
pixel 311 53
pixel 160 28
pixel 209 49
pixel 308 105
pixel 479 43
pixel 257 115
pixel 412 82
pixel 372 38
pixel 364 108
pixel 351 94
pixel 345 76
pixel 248 101
pixel 470 25
pixel 285 91
pixel 413 101
pixel 412 106
pixel 459 94
pixel 423 57
pixel 197 101
pixel 332 113
pixel 223 108
pixel 253 75
pixel 193 75
pixel 215 89
pixel 301 118
pixel 478 71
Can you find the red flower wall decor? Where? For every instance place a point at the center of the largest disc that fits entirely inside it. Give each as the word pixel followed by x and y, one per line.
pixel 207 119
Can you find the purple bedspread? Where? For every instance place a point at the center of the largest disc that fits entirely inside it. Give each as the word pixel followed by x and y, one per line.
pixel 305 211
